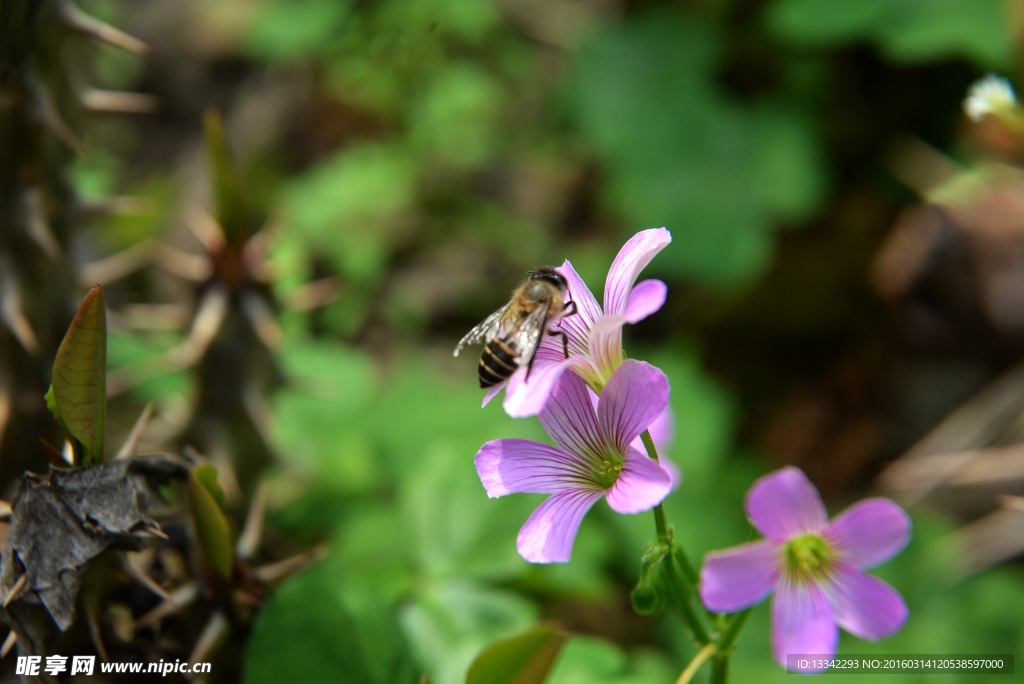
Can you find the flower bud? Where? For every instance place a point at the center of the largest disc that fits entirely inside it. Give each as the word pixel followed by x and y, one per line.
pixel 648 596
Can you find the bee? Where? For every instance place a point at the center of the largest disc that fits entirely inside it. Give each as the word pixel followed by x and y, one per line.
pixel 512 334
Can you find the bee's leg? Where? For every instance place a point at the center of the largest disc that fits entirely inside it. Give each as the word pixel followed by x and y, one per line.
pixel 565 341
pixel 570 310
pixel 533 354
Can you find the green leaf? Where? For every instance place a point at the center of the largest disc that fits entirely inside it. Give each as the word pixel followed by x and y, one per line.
pixel 450 623
pixel 351 206
pixel 207 476
pixel 906 30
pixel 216 536
pixel 79 389
pixel 523 659
pixel 586 660
pixel 126 349
pixel 680 153
pixel 468 19
pixel 315 416
pixel 788 171
pixel 314 630
pixel 455 119
pixel 824 22
pixel 232 213
pixel 373 549
pixel 705 416
pixel 457 530
pixel 290 30
pixel 981 30
pixel 51 404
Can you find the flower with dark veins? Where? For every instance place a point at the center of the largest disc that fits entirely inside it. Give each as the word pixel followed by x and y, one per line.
pixel 593 334
pixel 814 567
pixel 594 458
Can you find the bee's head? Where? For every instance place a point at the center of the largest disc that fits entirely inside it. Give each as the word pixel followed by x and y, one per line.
pixel 550 275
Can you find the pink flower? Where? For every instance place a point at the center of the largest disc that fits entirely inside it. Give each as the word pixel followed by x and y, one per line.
pixel 594 335
pixel 663 432
pixel 594 458
pixel 815 567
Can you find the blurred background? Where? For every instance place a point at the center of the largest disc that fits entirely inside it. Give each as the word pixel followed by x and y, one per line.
pixel 846 294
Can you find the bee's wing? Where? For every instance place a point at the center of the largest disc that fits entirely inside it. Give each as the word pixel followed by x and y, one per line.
pixel 488 328
pixel 526 338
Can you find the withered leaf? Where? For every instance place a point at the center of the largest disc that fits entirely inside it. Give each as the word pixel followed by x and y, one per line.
pixel 62 521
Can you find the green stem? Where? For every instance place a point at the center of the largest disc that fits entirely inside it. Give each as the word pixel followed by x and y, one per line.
pixel 698 660
pixel 682 585
pixel 680 591
pixel 660 522
pixel 684 563
pixel 723 647
pixel 682 578
pixel 728 638
pixel 719 670
pixel 652 450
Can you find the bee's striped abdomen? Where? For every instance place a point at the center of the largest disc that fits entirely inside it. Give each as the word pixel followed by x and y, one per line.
pixel 497 362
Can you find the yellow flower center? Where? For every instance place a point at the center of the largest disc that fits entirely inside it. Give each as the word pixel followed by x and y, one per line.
pixel 607 471
pixel 808 557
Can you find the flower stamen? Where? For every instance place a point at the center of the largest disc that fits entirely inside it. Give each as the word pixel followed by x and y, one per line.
pixel 608 470
pixel 808 557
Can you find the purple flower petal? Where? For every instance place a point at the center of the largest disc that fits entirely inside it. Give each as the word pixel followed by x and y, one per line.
pixel 632 399
pixel 549 533
pixel 509 466
pixel 642 485
pixel 493 392
pixel 549 350
pixel 739 577
pixel 675 475
pixel 870 532
pixel 865 606
pixel 527 398
pixel 662 431
pixel 581 366
pixel 569 417
pixel 631 259
pixel 605 344
pixel 785 503
pixel 577 326
pixel 802 622
pixel 647 297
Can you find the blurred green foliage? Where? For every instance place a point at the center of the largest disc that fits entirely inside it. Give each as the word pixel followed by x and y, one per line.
pixel 477 140
pixel 906 30
pixel 313 631
pixel 680 152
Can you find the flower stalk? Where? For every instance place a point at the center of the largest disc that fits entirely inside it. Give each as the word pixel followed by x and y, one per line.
pixel 681 594
pixel 698 660
pixel 659 512
pixel 681 586
pixel 724 645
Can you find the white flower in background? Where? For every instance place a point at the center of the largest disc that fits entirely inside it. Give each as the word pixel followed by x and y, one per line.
pixel 990 95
